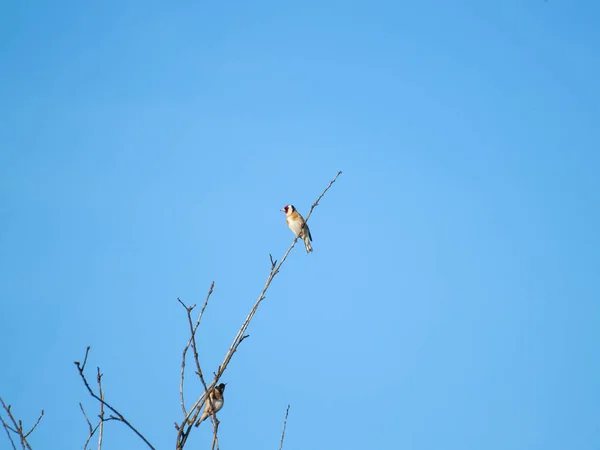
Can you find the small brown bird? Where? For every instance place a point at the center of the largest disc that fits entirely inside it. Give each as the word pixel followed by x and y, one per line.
pixel 216 396
pixel 295 221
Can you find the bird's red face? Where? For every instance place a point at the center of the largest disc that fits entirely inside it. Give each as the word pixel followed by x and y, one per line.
pixel 286 209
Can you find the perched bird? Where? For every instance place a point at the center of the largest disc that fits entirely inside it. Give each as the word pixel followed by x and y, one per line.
pixel 216 396
pixel 295 221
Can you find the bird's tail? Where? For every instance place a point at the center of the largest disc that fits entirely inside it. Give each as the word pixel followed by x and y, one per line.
pixel 201 419
pixel 307 244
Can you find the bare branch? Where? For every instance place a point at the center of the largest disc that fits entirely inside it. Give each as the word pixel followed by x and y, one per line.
pixel 315 204
pixel 181 397
pixel 284 425
pixel 92 429
pixel 101 415
pixel 100 426
pixel 274 270
pixel 35 425
pixel 118 416
pixel 87 352
pixel 8 429
pixel 86 417
pixel 10 416
pixel 215 422
pixel 183 432
pixel 182 436
pixel 17 427
pixel 190 341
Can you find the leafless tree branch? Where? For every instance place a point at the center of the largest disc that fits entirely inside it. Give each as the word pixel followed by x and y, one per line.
pixel 190 341
pixel 8 429
pixel 193 328
pixel 92 429
pixel 86 417
pixel 12 425
pixel 215 423
pixel 17 427
pixel 118 416
pixel 184 427
pixel 35 425
pixel 101 415
pixel 284 425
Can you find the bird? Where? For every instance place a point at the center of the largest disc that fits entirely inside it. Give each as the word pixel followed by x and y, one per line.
pixel 217 399
pixel 295 221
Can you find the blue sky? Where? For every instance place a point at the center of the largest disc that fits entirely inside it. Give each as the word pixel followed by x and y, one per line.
pixel 451 301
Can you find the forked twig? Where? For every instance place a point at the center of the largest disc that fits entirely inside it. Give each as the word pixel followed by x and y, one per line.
pixel 118 416
pixel 17 427
pixel 192 342
pixel 184 428
pixel 8 429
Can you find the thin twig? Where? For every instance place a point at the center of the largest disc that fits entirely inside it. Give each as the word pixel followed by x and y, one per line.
pixel 183 432
pixel 274 270
pixel 193 333
pixel 284 425
pixel 7 428
pixel 17 428
pixel 119 416
pixel 181 397
pixel 192 340
pixel 92 429
pixel 215 422
pixel 87 352
pixel 86 417
pixel 35 425
pixel 101 415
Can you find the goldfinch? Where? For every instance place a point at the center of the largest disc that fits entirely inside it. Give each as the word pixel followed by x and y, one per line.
pixel 295 221
pixel 216 395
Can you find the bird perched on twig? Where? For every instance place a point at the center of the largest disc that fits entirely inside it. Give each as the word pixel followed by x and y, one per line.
pixel 216 398
pixel 296 223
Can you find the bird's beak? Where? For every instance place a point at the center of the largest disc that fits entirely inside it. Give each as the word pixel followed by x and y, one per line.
pixel 282 210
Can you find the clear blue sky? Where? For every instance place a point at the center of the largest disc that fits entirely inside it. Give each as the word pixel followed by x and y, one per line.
pixel 451 301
